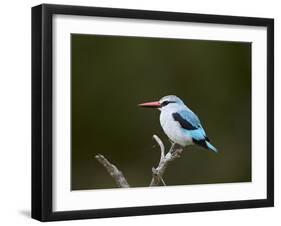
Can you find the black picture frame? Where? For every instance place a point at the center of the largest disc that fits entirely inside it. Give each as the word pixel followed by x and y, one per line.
pixel 42 111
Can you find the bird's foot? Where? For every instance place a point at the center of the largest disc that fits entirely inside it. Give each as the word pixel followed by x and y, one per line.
pixel 176 150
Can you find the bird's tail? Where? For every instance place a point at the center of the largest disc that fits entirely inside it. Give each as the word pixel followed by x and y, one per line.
pixel 211 147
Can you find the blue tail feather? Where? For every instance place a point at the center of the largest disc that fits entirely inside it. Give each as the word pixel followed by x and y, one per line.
pixel 211 147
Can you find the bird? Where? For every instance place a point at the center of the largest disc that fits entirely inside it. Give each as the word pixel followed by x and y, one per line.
pixel 180 124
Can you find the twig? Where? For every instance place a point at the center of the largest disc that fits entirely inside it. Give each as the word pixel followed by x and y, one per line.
pixel 113 171
pixel 157 173
pixel 162 147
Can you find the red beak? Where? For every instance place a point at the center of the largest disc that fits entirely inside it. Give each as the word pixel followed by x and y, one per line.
pixel 155 104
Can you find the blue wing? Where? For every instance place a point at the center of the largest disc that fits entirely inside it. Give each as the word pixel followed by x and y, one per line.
pixel 189 116
pixel 191 124
pixel 189 121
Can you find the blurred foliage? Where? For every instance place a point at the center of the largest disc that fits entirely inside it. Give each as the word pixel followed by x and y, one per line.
pixel 112 74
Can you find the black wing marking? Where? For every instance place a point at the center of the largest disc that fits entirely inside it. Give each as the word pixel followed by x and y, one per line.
pixel 201 143
pixel 183 122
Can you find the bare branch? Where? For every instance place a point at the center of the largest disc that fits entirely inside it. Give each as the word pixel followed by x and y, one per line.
pixel 113 171
pixel 174 153
pixel 157 173
pixel 161 145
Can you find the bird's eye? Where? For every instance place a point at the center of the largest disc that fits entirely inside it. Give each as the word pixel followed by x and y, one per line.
pixel 164 103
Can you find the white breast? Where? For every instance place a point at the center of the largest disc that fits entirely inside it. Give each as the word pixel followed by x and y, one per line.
pixel 173 129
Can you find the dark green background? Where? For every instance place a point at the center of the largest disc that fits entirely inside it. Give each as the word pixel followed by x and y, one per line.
pixel 112 74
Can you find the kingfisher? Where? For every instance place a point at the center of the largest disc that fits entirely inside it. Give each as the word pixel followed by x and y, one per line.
pixel 179 123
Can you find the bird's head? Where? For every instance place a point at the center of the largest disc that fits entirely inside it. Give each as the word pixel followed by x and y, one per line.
pixel 164 103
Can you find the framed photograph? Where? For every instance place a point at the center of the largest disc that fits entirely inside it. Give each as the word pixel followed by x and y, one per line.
pixel 145 112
